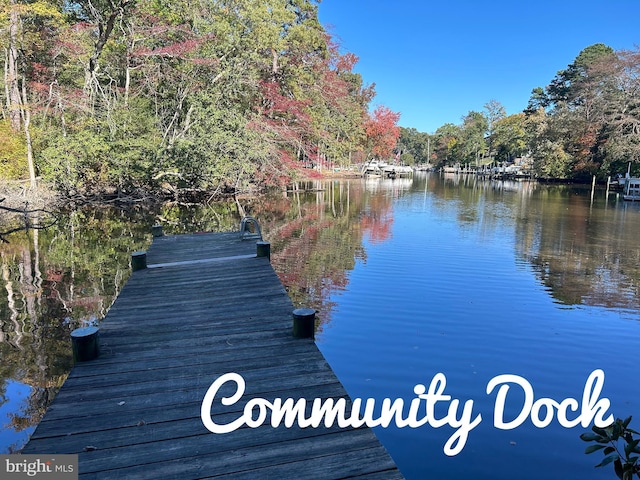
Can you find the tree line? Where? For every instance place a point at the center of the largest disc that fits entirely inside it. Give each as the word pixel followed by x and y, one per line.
pixel 585 122
pixel 188 99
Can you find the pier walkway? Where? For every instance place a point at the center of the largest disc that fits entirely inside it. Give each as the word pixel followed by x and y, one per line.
pixel 205 306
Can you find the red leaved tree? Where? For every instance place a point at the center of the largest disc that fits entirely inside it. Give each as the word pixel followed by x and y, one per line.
pixel 382 132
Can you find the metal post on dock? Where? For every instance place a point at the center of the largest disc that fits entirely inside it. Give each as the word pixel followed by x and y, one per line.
pixel 263 249
pixel 138 261
pixel 304 323
pixel 157 231
pixel 85 344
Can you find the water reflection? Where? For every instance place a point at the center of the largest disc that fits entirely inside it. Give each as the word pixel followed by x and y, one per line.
pixel 582 253
pixel 55 280
pixel 317 238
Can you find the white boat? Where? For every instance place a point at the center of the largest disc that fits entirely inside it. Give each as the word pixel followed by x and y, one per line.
pixel 631 189
pixel 397 170
pixel 373 169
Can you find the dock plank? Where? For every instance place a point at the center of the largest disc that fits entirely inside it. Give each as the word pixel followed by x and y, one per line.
pixel 206 306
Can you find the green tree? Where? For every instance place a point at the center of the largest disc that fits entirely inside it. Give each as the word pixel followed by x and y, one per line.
pixel 538 99
pixel 622 109
pixel 13 155
pixel 564 88
pixel 414 143
pixel 509 137
pixel 473 145
pixel 549 137
pixel 447 143
pixel 23 48
pixel 495 111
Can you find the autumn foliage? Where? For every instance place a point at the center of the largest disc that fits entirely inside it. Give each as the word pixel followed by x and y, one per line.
pixel 382 132
pixel 123 97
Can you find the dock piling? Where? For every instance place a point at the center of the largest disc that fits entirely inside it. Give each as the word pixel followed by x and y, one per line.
pixel 263 249
pixel 85 344
pixel 304 323
pixel 157 231
pixel 138 261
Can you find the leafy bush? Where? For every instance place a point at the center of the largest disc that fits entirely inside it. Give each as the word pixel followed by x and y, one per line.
pixel 607 439
pixel 13 153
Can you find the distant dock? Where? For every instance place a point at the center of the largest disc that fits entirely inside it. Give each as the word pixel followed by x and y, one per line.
pixel 205 305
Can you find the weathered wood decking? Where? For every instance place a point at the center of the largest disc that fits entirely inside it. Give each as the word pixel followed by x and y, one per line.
pixel 205 306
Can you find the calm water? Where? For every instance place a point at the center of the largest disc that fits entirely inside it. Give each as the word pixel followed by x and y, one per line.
pixel 436 274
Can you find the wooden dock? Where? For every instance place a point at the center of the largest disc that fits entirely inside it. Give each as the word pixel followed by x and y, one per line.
pixel 206 306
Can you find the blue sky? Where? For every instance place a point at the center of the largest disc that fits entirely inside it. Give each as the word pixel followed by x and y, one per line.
pixel 435 61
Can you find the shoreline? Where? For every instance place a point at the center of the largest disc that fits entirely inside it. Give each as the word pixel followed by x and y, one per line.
pixel 17 197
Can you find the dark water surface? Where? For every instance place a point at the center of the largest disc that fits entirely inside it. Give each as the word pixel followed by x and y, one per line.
pixel 411 278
